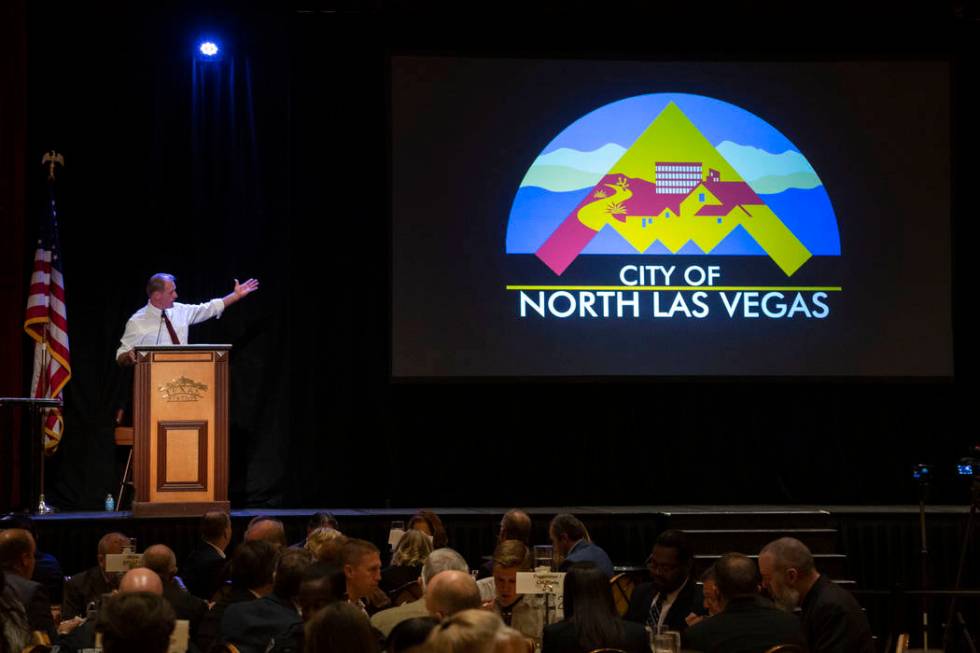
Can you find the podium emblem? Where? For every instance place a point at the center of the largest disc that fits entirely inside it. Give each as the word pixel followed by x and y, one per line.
pixel 183 389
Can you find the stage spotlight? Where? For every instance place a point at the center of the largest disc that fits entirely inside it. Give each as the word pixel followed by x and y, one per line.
pixel 209 49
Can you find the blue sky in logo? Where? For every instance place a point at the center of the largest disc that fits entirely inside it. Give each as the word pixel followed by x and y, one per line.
pixel 765 158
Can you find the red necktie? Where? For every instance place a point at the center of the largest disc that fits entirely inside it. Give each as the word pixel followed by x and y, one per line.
pixel 170 328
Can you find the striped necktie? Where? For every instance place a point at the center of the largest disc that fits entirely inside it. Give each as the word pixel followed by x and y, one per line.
pixel 654 616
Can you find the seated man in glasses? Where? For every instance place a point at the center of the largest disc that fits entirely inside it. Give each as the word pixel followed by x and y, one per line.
pixel 672 593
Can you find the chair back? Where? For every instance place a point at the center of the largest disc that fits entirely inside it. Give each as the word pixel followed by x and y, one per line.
pixel 607 650
pixel 785 648
pixel 224 647
pixel 407 593
pixel 622 586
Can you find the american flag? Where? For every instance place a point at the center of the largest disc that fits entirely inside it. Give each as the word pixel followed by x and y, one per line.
pixel 47 322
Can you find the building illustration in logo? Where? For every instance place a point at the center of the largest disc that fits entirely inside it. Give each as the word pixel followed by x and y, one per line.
pixel 671 191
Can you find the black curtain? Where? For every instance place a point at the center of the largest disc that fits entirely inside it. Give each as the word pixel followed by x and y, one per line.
pixel 272 163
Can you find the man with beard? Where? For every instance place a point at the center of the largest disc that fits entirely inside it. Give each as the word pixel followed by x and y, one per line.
pixel 832 619
pixel 747 622
pixel 672 594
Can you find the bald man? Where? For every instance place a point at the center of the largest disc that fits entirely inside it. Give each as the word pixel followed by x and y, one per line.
pixel 162 560
pixel 80 633
pixel 450 592
pixel 268 530
pixel 17 551
pixel 90 585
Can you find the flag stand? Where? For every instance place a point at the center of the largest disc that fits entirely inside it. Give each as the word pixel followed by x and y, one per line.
pixel 39 418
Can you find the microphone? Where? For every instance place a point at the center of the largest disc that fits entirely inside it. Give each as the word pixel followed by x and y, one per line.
pixel 160 328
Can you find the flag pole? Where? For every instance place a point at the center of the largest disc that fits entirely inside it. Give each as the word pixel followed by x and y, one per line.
pixel 49 159
pixel 42 507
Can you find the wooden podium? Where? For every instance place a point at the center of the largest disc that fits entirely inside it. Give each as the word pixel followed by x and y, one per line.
pixel 180 420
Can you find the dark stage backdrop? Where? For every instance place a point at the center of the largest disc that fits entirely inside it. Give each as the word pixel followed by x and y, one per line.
pixel 274 164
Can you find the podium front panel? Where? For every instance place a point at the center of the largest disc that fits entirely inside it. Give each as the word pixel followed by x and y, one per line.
pixel 181 421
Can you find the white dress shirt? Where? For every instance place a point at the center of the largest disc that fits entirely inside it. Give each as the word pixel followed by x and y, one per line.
pixel 146 326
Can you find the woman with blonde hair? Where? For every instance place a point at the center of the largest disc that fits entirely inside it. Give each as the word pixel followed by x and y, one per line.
pixel 406 564
pixel 325 544
pixel 475 631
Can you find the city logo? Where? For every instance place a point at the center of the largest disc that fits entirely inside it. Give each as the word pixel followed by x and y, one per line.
pixel 669 175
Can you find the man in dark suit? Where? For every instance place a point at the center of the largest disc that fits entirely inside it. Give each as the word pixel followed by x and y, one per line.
pixel 88 586
pixel 748 623
pixel 47 569
pixel 253 626
pixel 139 580
pixel 17 551
pixel 672 594
pixel 251 569
pixel 570 539
pixel 203 570
pixel 832 618
pixel 162 560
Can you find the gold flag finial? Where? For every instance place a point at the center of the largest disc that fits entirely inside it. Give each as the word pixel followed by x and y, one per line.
pixel 50 159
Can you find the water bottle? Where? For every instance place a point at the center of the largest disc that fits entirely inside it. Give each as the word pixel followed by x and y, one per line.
pixel 110 503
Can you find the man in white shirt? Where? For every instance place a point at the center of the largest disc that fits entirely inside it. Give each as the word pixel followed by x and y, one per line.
pixel 164 321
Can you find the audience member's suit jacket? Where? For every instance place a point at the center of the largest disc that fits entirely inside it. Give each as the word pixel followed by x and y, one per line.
pixel 561 638
pixel 203 571
pixel 690 599
pixel 386 620
pixel 748 625
pixel 251 625
pixel 210 629
pixel 47 571
pixel 81 590
pixel 834 621
pixel 36 603
pixel 185 605
pixel 588 552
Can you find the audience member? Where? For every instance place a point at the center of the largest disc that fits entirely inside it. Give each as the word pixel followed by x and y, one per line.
pixel 139 622
pixel 89 586
pixel 409 636
pixel 257 626
pixel 672 595
pixel 340 628
pixel 450 592
pixel 17 551
pixel 438 561
pixel 832 618
pixel 47 569
pixel 318 520
pixel 429 523
pixel 514 525
pixel 188 607
pixel 590 620
pixel 362 569
pixel 266 529
pixel 81 637
pixel 747 623
pixel 15 633
pixel 203 572
pixel 251 571
pixel 322 584
pixel 406 562
pixel 326 545
pixel 570 539
pixel 711 599
pixel 474 631
pixel 523 612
